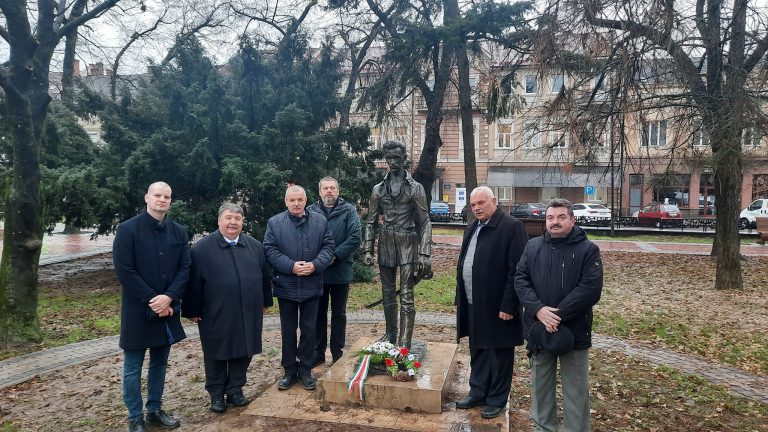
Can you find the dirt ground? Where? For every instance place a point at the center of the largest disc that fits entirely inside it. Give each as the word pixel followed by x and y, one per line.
pixel 627 394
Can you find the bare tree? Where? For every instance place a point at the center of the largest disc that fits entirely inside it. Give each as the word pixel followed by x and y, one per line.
pixel 31 32
pixel 701 62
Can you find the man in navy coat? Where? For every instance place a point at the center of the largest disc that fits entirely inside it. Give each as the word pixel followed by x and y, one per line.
pixel 151 258
pixel 299 248
pixel 228 293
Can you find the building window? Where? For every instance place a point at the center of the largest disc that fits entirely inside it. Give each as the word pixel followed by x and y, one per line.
pixel 375 138
pixel 558 138
pixel 557 83
pixel 505 193
pixel 594 135
pixel 531 135
pixel 700 136
pixel 504 135
pixel 751 137
pixel 401 134
pixel 600 89
pixel 673 189
pixel 531 84
pixel 655 134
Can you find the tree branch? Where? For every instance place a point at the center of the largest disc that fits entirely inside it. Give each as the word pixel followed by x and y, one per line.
pixel 4 34
pixel 662 41
pixel 91 14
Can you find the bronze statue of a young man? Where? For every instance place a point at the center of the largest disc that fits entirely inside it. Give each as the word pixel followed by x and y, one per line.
pixel 405 240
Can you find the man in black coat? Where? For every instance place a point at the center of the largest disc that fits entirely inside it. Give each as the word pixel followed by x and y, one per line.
pixel 488 310
pixel 229 291
pixel 299 248
pixel 151 258
pixel 559 279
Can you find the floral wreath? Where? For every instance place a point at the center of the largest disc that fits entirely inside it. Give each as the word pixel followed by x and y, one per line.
pixel 399 362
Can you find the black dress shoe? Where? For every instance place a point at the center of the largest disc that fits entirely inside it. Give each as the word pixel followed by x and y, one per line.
pixel 491 412
pixel 286 382
pixel 161 418
pixel 308 382
pixel 337 356
pixel 237 400
pixel 218 405
pixel 469 402
pixel 136 425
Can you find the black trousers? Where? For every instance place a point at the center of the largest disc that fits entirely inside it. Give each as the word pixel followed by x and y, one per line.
pixel 225 376
pixel 298 359
pixel 337 294
pixel 490 376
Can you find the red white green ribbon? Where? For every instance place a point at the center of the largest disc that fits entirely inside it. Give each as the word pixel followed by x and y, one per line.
pixel 358 378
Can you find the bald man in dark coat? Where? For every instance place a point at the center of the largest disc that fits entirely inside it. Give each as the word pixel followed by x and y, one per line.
pixel 229 291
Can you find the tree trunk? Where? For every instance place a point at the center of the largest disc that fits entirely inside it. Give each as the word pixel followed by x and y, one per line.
pixel 465 107
pixel 22 241
pixel 425 171
pixel 68 75
pixel 727 169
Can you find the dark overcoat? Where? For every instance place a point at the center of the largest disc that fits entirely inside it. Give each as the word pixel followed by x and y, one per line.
pixel 228 288
pixel 499 247
pixel 150 258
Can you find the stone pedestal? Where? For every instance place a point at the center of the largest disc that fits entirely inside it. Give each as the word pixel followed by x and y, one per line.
pixel 424 394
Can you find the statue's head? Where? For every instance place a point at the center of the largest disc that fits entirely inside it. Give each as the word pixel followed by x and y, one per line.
pixel 395 155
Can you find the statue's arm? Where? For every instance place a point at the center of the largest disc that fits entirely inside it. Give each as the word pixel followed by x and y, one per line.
pixel 374 211
pixel 423 225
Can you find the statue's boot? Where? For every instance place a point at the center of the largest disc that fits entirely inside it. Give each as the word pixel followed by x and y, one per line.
pixel 407 320
pixel 390 318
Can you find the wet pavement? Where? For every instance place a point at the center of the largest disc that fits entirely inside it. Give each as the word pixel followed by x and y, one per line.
pixel 59 247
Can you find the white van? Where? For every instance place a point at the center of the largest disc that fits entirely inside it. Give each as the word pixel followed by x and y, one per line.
pixel 759 207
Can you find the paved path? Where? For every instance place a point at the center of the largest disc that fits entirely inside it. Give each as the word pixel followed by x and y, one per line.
pixel 636 246
pixel 59 247
pixel 22 368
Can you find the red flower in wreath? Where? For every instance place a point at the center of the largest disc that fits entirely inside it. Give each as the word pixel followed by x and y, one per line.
pixel 389 362
pixel 404 351
pixel 417 364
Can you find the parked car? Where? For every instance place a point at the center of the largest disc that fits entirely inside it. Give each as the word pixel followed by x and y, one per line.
pixel 659 215
pixel 592 213
pixel 747 217
pixel 439 211
pixel 529 210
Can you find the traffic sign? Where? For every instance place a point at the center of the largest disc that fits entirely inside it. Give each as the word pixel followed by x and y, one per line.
pixel 589 190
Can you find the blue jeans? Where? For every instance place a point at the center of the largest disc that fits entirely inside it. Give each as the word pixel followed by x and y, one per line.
pixel 134 360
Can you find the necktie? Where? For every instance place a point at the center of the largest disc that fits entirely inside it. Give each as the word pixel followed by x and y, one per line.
pixel 233 243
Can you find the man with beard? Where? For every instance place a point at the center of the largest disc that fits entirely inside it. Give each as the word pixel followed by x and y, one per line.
pixel 345 228
pixel 228 294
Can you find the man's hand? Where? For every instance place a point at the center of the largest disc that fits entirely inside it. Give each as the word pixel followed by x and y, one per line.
pixel 549 318
pixel 424 268
pixel 303 268
pixel 159 303
pixel 505 316
pixel 166 312
pixel 368 259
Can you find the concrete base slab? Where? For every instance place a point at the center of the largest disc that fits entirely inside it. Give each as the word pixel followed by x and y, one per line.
pixel 423 394
pixel 298 404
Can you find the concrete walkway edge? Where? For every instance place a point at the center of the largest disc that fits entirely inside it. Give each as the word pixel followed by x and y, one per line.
pixel 22 368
